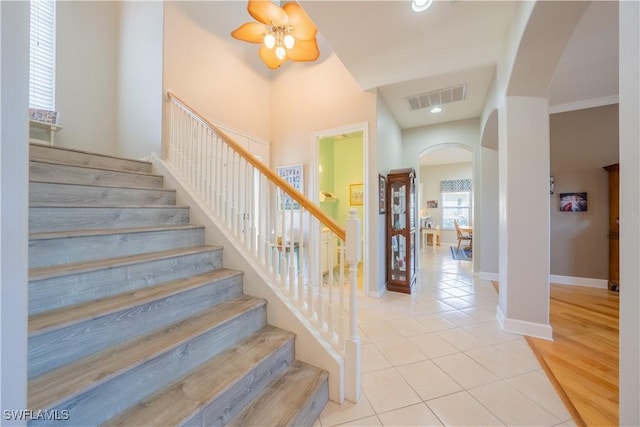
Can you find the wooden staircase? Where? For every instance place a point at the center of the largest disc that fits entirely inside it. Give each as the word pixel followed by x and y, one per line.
pixel 133 320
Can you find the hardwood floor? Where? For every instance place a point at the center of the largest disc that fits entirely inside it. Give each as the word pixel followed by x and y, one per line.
pixel 582 360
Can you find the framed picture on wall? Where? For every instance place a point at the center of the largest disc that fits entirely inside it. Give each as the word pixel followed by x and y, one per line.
pixel 573 202
pixel 293 174
pixel 356 194
pixel 382 194
pixel 432 204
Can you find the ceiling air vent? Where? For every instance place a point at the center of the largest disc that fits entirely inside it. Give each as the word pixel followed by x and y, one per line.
pixel 438 97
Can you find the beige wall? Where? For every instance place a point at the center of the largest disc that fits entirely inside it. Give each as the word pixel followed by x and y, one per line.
pixel 582 142
pixel 140 79
pixel 222 78
pixel 387 155
pixel 310 98
pixel 418 140
pixel 486 214
pixel 87 74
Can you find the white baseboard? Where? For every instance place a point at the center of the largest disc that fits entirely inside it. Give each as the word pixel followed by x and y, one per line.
pixel 484 275
pixel 579 281
pixel 556 279
pixel 523 327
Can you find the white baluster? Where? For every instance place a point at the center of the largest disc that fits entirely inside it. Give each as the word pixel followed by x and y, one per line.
pixel 352 343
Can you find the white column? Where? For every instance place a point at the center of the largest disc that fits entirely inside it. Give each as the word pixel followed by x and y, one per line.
pixel 523 160
pixel 629 213
pixel 14 131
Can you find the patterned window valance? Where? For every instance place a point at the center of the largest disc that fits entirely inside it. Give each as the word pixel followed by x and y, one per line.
pixel 455 185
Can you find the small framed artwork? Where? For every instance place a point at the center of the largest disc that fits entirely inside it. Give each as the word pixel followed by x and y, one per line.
pixel 432 204
pixel 293 175
pixel 356 194
pixel 573 202
pixel 382 194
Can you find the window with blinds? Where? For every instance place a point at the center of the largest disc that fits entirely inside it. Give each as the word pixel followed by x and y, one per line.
pixel 456 202
pixel 42 57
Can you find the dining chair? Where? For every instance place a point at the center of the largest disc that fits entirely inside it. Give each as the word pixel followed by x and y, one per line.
pixel 461 235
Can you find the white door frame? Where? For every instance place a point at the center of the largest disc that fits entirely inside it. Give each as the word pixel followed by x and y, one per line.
pixel 368 204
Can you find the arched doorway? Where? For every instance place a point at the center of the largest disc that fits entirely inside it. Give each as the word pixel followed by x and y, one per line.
pixel 445 196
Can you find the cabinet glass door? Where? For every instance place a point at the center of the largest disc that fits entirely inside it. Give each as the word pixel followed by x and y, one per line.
pixel 398 206
pixel 398 225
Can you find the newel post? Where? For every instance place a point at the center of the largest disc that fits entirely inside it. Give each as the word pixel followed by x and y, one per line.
pixel 352 342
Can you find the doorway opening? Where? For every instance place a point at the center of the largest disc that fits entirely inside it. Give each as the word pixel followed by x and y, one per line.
pixel 445 200
pixel 339 182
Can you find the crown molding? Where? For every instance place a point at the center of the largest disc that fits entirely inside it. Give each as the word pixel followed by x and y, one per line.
pixel 581 105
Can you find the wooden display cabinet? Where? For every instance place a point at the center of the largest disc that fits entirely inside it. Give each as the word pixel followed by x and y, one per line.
pixel 401 230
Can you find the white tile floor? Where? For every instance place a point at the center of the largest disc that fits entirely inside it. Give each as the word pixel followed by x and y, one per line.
pixel 438 357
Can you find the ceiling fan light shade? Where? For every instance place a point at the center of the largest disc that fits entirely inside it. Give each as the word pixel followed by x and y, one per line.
pixel 421 5
pixel 269 41
pixel 281 53
pixel 289 41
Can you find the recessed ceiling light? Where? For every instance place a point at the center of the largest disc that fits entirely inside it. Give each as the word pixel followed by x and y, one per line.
pixel 435 110
pixel 421 5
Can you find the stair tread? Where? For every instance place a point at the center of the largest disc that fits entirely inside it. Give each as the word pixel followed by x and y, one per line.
pixel 180 400
pixel 44 322
pixel 74 165
pixel 109 231
pixel 281 401
pixel 90 184
pixel 40 273
pixel 90 153
pixel 114 206
pixel 51 388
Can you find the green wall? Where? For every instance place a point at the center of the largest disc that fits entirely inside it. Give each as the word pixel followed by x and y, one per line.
pixel 342 165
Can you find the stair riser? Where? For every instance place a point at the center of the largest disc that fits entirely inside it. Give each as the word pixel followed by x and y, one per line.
pixel 57 292
pixel 43 192
pixel 295 398
pixel 43 152
pixel 48 172
pixel 45 219
pixel 310 413
pixel 56 348
pixel 227 406
pixel 65 250
pixel 114 395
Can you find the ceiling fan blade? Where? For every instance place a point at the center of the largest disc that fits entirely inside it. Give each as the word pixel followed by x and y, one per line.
pixel 252 32
pixel 303 27
pixel 269 57
pixel 304 50
pixel 267 12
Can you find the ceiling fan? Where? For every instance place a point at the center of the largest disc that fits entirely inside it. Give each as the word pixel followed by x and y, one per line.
pixel 285 33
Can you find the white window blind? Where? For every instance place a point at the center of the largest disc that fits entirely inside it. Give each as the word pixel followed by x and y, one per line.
pixel 42 56
pixel 456 202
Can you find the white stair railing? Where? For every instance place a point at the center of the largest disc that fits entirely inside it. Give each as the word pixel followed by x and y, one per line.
pixel 300 248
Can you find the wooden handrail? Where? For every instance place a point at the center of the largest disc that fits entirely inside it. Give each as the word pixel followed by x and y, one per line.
pixel 304 201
